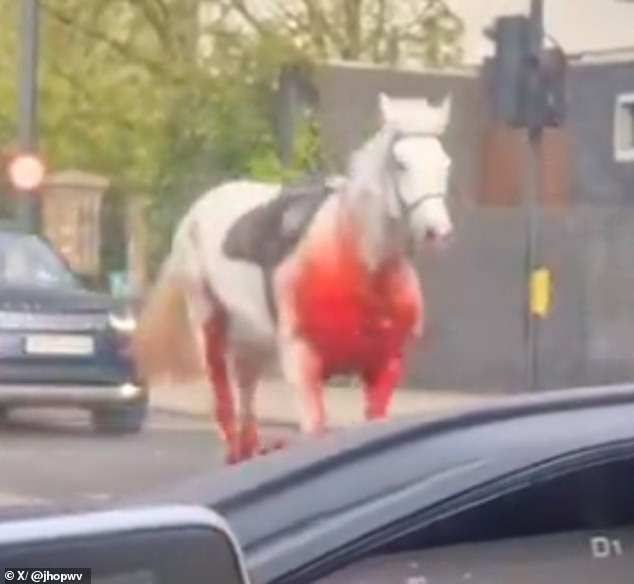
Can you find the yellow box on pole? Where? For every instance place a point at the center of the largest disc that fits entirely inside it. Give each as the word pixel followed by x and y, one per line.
pixel 540 292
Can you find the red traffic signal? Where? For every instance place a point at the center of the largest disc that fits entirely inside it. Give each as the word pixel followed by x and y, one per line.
pixel 26 171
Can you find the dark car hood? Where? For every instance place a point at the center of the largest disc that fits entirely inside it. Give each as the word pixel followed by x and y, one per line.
pixel 18 298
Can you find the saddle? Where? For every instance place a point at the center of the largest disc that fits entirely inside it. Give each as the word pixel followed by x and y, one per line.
pixel 266 234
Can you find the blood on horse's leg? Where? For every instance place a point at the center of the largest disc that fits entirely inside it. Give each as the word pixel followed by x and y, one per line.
pixel 248 367
pixel 380 382
pixel 215 356
pixel 302 370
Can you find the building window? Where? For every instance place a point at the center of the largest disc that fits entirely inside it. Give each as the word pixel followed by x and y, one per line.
pixel 624 128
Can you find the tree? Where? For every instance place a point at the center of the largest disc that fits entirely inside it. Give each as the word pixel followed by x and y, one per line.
pixel 103 86
pixel 381 31
pixel 8 93
pixel 125 91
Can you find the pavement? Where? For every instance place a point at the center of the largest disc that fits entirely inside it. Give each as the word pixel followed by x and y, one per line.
pixel 275 402
pixel 51 455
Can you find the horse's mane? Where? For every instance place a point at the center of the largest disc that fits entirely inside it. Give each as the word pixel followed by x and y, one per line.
pixel 365 191
pixel 366 164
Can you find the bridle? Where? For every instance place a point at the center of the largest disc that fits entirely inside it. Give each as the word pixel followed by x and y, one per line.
pixel 406 209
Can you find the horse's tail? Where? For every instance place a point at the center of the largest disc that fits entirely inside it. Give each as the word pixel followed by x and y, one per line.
pixel 165 342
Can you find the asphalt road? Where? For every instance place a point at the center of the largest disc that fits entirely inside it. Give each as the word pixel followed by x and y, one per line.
pixel 54 456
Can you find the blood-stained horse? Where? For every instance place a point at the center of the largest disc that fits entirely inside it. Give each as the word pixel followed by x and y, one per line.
pixel 318 277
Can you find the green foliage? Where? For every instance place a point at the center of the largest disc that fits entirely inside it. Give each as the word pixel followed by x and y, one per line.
pixel 125 93
pixel 8 70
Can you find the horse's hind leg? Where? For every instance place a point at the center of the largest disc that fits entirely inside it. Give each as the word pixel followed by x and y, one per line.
pixel 248 364
pixel 215 336
pixel 380 380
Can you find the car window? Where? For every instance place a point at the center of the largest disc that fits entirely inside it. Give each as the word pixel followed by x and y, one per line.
pixel 27 261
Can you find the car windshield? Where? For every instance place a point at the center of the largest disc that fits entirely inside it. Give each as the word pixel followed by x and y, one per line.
pixel 25 260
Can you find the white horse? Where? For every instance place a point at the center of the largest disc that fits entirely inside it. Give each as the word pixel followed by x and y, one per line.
pixel 319 278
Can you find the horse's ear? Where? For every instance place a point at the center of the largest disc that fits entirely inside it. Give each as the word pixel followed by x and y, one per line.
pixel 385 106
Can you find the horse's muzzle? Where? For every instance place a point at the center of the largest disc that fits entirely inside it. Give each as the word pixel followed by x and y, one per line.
pixel 438 240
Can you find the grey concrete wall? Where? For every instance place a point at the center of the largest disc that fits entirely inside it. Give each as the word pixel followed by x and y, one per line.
pixel 597 177
pixel 475 295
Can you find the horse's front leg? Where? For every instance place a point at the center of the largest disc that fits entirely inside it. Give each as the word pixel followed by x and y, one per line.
pixel 302 369
pixel 381 376
pixel 301 366
pixel 409 294
pixel 380 379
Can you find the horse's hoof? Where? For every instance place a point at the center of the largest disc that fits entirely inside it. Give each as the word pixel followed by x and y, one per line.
pixel 274 446
pixel 280 444
pixel 232 459
pixel 249 443
pixel 234 455
pixel 264 450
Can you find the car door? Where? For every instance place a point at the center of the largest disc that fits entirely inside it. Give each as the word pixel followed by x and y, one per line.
pixel 155 545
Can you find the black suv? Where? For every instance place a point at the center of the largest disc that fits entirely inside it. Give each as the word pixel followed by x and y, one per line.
pixel 62 344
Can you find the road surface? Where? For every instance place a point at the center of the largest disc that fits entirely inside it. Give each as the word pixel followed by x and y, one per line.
pixel 54 456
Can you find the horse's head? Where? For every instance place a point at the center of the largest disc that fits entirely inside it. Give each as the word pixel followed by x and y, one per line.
pixel 417 166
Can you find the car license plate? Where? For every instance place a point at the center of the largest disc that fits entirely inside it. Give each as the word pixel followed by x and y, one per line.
pixel 60 345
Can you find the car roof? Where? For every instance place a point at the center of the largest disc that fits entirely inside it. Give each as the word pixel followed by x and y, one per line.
pixel 285 501
pixel 284 509
pixel 234 484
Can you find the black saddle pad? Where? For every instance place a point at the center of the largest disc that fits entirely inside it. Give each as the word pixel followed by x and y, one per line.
pixel 266 234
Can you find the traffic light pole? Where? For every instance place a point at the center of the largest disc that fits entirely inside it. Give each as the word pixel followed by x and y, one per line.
pixel 535 126
pixel 529 94
pixel 28 208
pixel 533 189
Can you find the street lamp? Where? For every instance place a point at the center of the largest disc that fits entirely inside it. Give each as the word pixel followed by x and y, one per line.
pixel 26 169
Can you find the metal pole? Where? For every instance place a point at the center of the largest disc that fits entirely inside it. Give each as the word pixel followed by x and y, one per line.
pixel 533 187
pixel 287 106
pixel 28 203
pixel 532 255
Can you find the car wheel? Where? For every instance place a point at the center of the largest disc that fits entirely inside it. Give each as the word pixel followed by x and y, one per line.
pixel 4 414
pixel 120 419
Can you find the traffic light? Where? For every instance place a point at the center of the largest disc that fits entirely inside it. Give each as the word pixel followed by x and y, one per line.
pixel 510 36
pixel 26 172
pixel 528 82
pixel 553 69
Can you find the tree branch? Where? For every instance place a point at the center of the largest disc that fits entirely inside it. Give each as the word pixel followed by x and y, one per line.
pixel 123 50
pixel 321 29
pixel 156 12
pixel 377 32
pixel 352 29
pixel 241 8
